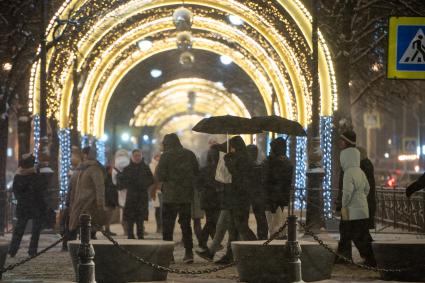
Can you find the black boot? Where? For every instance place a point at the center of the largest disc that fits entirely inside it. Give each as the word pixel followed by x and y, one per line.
pixel 226 259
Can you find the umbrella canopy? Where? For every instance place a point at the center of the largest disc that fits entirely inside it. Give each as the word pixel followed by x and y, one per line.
pixel 279 125
pixel 227 124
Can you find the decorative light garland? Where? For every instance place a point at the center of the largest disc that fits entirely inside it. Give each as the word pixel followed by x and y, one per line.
pixel 65 162
pixel 36 124
pixel 101 151
pixel 300 172
pixel 326 146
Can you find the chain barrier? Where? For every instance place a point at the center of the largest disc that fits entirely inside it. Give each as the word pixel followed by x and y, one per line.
pixel 350 260
pixel 184 271
pixel 25 260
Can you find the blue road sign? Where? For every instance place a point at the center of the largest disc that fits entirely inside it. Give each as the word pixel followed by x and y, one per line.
pixel 406 48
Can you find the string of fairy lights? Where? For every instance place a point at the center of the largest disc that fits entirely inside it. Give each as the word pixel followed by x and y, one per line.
pixel 300 172
pixel 280 57
pixel 64 136
pixel 326 129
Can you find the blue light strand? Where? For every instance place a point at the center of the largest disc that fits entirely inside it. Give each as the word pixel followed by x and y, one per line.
pixel 326 146
pixel 101 151
pixel 300 172
pixel 65 162
pixel 36 124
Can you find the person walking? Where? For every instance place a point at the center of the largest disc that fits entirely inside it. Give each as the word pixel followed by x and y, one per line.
pixel 87 192
pixel 235 205
pixel 277 181
pixel 352 203
pixel 31 204
pixel 354 206
pixel 368 169
pixel 177 170
pixel 156 194
pixel 136 178
pixel 209 196
pixel 256 194
pixel 111 200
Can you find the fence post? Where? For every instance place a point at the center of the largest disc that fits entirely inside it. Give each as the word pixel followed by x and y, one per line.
pixel 293 251
pixel 86 269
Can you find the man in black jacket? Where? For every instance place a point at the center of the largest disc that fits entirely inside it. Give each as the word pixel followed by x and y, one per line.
pixel 136 178
pixel 31 204
pixel 177 170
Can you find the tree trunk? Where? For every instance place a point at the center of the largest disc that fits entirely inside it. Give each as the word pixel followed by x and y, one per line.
pixel 24 136
pixel 4 134
pixel 54 161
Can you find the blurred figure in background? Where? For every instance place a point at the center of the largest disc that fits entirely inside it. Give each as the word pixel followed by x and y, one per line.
pixel 156 194
pixel 111 199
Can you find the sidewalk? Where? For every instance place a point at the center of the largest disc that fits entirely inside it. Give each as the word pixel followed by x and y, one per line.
pixel 55 265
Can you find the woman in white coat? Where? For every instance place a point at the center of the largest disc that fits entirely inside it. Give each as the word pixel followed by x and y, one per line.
pixel 354 211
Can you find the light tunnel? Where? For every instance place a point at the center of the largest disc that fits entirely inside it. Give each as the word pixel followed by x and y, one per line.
pixel 294 8
pixel 273 47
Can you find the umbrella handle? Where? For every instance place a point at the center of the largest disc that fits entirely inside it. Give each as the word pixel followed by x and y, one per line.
pixel 227 143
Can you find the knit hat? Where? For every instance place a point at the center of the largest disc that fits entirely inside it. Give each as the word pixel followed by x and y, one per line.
pixel 349 136
pixel 27 160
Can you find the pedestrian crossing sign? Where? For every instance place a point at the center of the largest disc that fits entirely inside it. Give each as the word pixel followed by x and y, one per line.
pixel 406 48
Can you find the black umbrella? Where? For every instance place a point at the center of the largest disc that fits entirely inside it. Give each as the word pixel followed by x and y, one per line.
pixel 279 125
pixel 227 124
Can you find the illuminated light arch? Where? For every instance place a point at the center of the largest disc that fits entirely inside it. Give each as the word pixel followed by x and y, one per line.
pixel 283 95
pixel 207 45
pixel 298 13
pixel 172 98
pixel 219 27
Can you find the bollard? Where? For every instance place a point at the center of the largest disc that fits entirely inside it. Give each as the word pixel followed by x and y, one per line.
pixel 85 252
pixel 293 251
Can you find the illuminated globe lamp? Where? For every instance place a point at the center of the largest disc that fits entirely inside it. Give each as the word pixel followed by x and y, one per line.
pixel 187 59
pixel 184 41
pixel 182 19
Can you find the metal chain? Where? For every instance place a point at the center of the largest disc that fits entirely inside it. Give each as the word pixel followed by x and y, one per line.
pixel 349 260
pixel 21 262
pixel 183 271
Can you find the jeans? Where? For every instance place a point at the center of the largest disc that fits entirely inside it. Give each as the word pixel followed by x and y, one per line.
pixel 209 228
pixel 169 215
pixel 18 232
pixel 223 225
pixel 260 216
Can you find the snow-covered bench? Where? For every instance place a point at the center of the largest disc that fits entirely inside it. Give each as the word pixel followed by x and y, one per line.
pixel 113 266
pixel 400 254
pixel 258 263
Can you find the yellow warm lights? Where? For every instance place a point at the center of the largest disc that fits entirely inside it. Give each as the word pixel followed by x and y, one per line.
pixel 277 66
pixel 172 99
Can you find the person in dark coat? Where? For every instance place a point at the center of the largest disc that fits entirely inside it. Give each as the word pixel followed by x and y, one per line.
pixel 257 195
pixel 47 183
pixel 136 178
pixel 31 204
pixel 111 199
pixel 235 202
pixel 367 168
pixel 277 181
pixel 210 201
pixel 177 170
pixel 417 185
